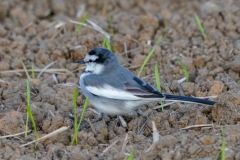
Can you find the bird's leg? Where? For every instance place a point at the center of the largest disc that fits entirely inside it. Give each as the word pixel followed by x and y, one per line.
pixel 99 118
pixel 139 111
pixel 122 121
pixel 142 121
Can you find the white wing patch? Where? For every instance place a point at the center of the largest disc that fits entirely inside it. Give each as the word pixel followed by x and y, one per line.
pixel 108 91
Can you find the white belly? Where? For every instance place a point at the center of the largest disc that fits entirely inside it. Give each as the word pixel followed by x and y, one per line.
pixel 127 107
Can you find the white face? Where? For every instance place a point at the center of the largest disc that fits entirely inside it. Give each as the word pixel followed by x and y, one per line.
pixel 91 65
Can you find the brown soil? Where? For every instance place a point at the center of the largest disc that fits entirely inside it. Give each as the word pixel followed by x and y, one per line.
pixel 30 30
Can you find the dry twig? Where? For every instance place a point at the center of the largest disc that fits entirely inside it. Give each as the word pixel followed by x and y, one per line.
pixel 47 136
pixel 14 135
pixel 109 147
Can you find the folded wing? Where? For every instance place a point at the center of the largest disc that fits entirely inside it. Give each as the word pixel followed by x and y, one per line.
pixel 129 92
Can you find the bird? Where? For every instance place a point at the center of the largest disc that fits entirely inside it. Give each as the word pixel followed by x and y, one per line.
pixel 114 90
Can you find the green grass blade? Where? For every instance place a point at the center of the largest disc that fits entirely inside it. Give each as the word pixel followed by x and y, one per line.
pixel 110 25
pixel 131 155
pixel 33 73
pixel 216 158
pixel 185 71
pixel 25 69
pixel 75 94
pixel 83 112
pixel 26 128
pixel 75 137
pixel 28 104
pixel 106 44
pixel 200 27
pixel 149 56
pixel 223 154
pixel 223 147
pixel 28 93
pixel 30 112
pixel 79 26
pixel 158 82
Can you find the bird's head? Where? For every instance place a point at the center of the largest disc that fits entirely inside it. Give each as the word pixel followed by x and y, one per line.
pixel 99 60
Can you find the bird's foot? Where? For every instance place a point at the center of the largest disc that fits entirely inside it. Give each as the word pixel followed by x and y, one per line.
pixel 99 118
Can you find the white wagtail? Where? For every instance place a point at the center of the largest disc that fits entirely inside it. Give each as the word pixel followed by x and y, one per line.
pixel 114 90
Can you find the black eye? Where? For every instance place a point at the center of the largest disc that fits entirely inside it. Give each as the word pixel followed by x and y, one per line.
pixel 90 61
pixel 93 52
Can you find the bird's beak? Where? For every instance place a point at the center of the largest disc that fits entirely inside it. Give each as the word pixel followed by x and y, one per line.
pixel 80 61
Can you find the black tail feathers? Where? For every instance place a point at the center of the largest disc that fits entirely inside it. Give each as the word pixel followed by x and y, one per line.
pixel 188 99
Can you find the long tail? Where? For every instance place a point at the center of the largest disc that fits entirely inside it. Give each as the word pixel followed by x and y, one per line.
pixel 188 99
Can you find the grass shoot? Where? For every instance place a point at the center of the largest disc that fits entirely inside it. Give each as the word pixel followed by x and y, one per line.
pixel 28 108
pixel 223 147
pixel 185 71
pixel 33 73
pixel 110 25
pixel 29 113
pixel 131 156
pixel 217 156
pixel 106 44
pixel 77 126
pixel 158 82
pixel 25 69
pixel 75 94
pixel 200 27
pixel 149 56
pixel 84 19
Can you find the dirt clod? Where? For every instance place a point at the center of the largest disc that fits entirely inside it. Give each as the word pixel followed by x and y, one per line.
pixel 12 122
pixel 207 140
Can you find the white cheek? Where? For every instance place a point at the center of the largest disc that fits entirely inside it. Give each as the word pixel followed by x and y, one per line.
pixel 98 68
pixel 95 68
pixel 90 66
